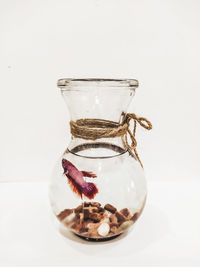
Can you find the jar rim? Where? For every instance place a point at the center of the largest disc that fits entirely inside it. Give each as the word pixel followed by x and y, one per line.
pixel 100 82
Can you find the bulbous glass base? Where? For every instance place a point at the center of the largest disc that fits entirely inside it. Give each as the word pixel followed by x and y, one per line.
pixel 97 197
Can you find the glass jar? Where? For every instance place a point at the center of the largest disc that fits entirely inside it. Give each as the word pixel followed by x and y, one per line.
pixel 98 188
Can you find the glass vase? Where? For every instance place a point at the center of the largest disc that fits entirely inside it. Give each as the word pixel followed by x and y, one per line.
pixel 98 188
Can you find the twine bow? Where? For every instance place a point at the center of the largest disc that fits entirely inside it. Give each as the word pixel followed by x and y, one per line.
pixel 92 129
pixel 143 122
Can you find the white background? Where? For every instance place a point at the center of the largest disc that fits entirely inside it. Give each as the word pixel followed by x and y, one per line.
pixel 156 42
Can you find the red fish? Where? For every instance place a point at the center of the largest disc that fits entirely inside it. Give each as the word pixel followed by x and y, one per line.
pixel 76 181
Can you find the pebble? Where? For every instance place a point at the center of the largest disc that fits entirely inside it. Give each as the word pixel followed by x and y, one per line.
pixel 135 216
pixel 125 225
pixel 110 208
pixel 125 212
pixel 103 229
pixel 106 220
pixel 70 218
pixel 63 214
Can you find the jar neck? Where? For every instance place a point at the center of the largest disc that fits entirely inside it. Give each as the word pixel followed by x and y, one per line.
pixel 101 99
pixel 90 101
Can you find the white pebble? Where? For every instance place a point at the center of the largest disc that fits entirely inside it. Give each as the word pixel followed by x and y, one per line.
pixel 103 229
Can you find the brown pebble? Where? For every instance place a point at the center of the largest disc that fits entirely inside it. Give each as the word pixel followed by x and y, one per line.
pixel 86 214
pixel 78 227
pixel 63 214
pixel 81 217
pixel 78 209
pixel 113 224
pixel 83 229
pixel 135 216
pixel 100 209
pixel 87 204
pixel 110 208
pixel 95 217
pixel 73 226
pixel 85 223
pixel 113 218
pixel 120 217
pixel 125 212
pixel 77 216
pixel 95 204
pixel 94 209
pixel 92 204
pixel 113 229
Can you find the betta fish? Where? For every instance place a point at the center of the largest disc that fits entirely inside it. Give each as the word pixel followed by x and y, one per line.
pixel 76 181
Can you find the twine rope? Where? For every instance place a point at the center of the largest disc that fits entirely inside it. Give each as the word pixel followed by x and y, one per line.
pixel 92 129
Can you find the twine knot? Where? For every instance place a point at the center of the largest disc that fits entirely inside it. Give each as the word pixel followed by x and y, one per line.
pixel 92 129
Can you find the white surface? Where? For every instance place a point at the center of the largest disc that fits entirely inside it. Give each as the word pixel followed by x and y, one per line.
pixel 155 41
pixel 167 234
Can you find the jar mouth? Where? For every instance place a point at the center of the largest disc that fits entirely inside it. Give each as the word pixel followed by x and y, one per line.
pixel 66 83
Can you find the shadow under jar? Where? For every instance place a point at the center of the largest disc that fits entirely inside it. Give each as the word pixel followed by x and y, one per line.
pixel 98 189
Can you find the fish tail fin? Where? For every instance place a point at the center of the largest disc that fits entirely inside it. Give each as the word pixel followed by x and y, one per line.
pixel 76 188
pixel 89 190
